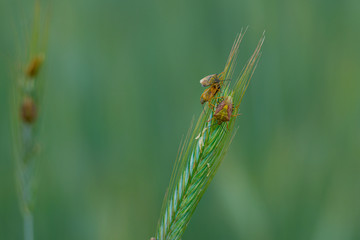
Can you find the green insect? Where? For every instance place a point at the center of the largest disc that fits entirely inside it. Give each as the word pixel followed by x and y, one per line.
pixel 224 110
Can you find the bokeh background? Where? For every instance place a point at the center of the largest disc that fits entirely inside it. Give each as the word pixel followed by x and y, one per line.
pixel 122 88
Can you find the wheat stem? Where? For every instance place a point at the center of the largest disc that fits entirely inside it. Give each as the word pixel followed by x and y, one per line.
pixel 28 226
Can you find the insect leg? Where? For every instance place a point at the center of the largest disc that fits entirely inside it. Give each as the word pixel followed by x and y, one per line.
pixel 223 127
pixel 212 106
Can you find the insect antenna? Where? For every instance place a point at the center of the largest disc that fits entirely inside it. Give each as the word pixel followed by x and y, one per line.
pixel 229 79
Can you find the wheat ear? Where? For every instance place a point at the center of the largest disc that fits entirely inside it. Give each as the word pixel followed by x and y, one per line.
pixel 27 94
pixel 202 152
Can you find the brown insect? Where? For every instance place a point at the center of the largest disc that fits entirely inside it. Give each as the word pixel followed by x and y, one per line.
pixel 211 79
pixel 209 93
pixel 224 111
pixel 28 110
pixel 214 83
pixel 34 66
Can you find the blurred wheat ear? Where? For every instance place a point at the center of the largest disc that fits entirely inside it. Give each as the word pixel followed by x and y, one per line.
pixel 202 152
pixel 27 94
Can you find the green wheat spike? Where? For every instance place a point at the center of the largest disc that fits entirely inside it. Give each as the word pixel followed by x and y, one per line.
pixel 28 88
pixel 202 152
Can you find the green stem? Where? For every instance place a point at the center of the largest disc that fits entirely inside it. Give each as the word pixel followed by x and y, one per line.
pixel 28 226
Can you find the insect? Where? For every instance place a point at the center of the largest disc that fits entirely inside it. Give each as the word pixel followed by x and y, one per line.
pixel 209 93
pixel 211 79
pixel 28 110
pixel 34 66
pixel 224 111
pixel 214 83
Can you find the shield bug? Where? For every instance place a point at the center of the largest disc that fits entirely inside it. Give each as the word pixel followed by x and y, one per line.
pixel 224 111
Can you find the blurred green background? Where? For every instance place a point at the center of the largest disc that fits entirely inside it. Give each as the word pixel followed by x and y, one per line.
pixel 123 86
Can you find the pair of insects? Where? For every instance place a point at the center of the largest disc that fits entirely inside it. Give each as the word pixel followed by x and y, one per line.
pixel 223 111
